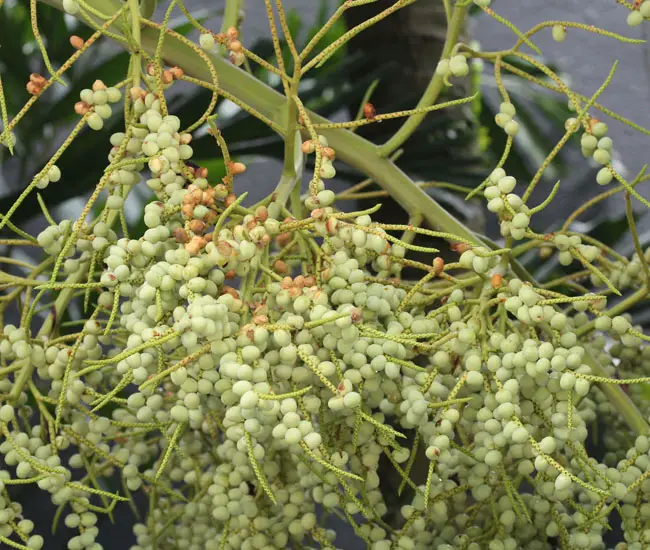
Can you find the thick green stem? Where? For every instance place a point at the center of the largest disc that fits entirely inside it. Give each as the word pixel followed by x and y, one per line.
pixel 136 66
pixel 433 89
pixel 291 175
pixel 230 17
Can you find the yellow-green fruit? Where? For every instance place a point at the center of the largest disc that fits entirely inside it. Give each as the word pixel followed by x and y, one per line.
pixel 95 121
pixel 559 33
pixel 634 19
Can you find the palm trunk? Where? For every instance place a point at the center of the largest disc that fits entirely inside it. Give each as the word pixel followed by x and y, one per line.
pixel 410 39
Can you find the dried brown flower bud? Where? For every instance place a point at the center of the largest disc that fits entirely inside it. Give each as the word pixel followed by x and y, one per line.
pixel 280 267
pixel 81 108
pixel 369 111
pixel 235 46
pixel 197 226
pixel 237 58
pixel 261 214
pixel 193 247
pixel 438 265
pixel 496 281
pixel 230 290
pixel 308 147
pixel 177 73
pixel 136 93
pixel 33 88
pixel 460 247
pixel 237 168
pixel 98 85
pixel 181 235
pixel 37 79
pixel 283 239
pixel 328 153
pixel 229 199
pixel 77 42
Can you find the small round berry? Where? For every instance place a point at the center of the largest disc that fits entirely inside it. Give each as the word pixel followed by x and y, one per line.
pixel 512 128
pixel 559 33
pixel 602 156
pixel 293 436
pixel 71 7
pixel 562 482
pixel 507 184
pixel 6 413
pixel 508 108
pixel 604 176
pixel 458 66
pixel 520 220
pixel 620 324
pixel 599 130
pixel 313 440
pixel 605 143
pixel 634 19
pixel 95 122
pixel 54 174
pixel 206 41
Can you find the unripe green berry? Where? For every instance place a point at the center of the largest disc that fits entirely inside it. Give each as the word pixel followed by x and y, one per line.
pixel 508 108
pixel 95 122
pixel 559 33
pixel 104 111
pixel 520 220
pixel 620 324
pixel 599 130
pixel 458 66
pixel 6 413
pixel 114 95
pixel 588 141
pixel 602 156
pixel 71 7
pixel 206 41
pixel 603 323
pixel 634 18
pixel 512 128
pixel 501 119
pixel 604 176
pixel 507 184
